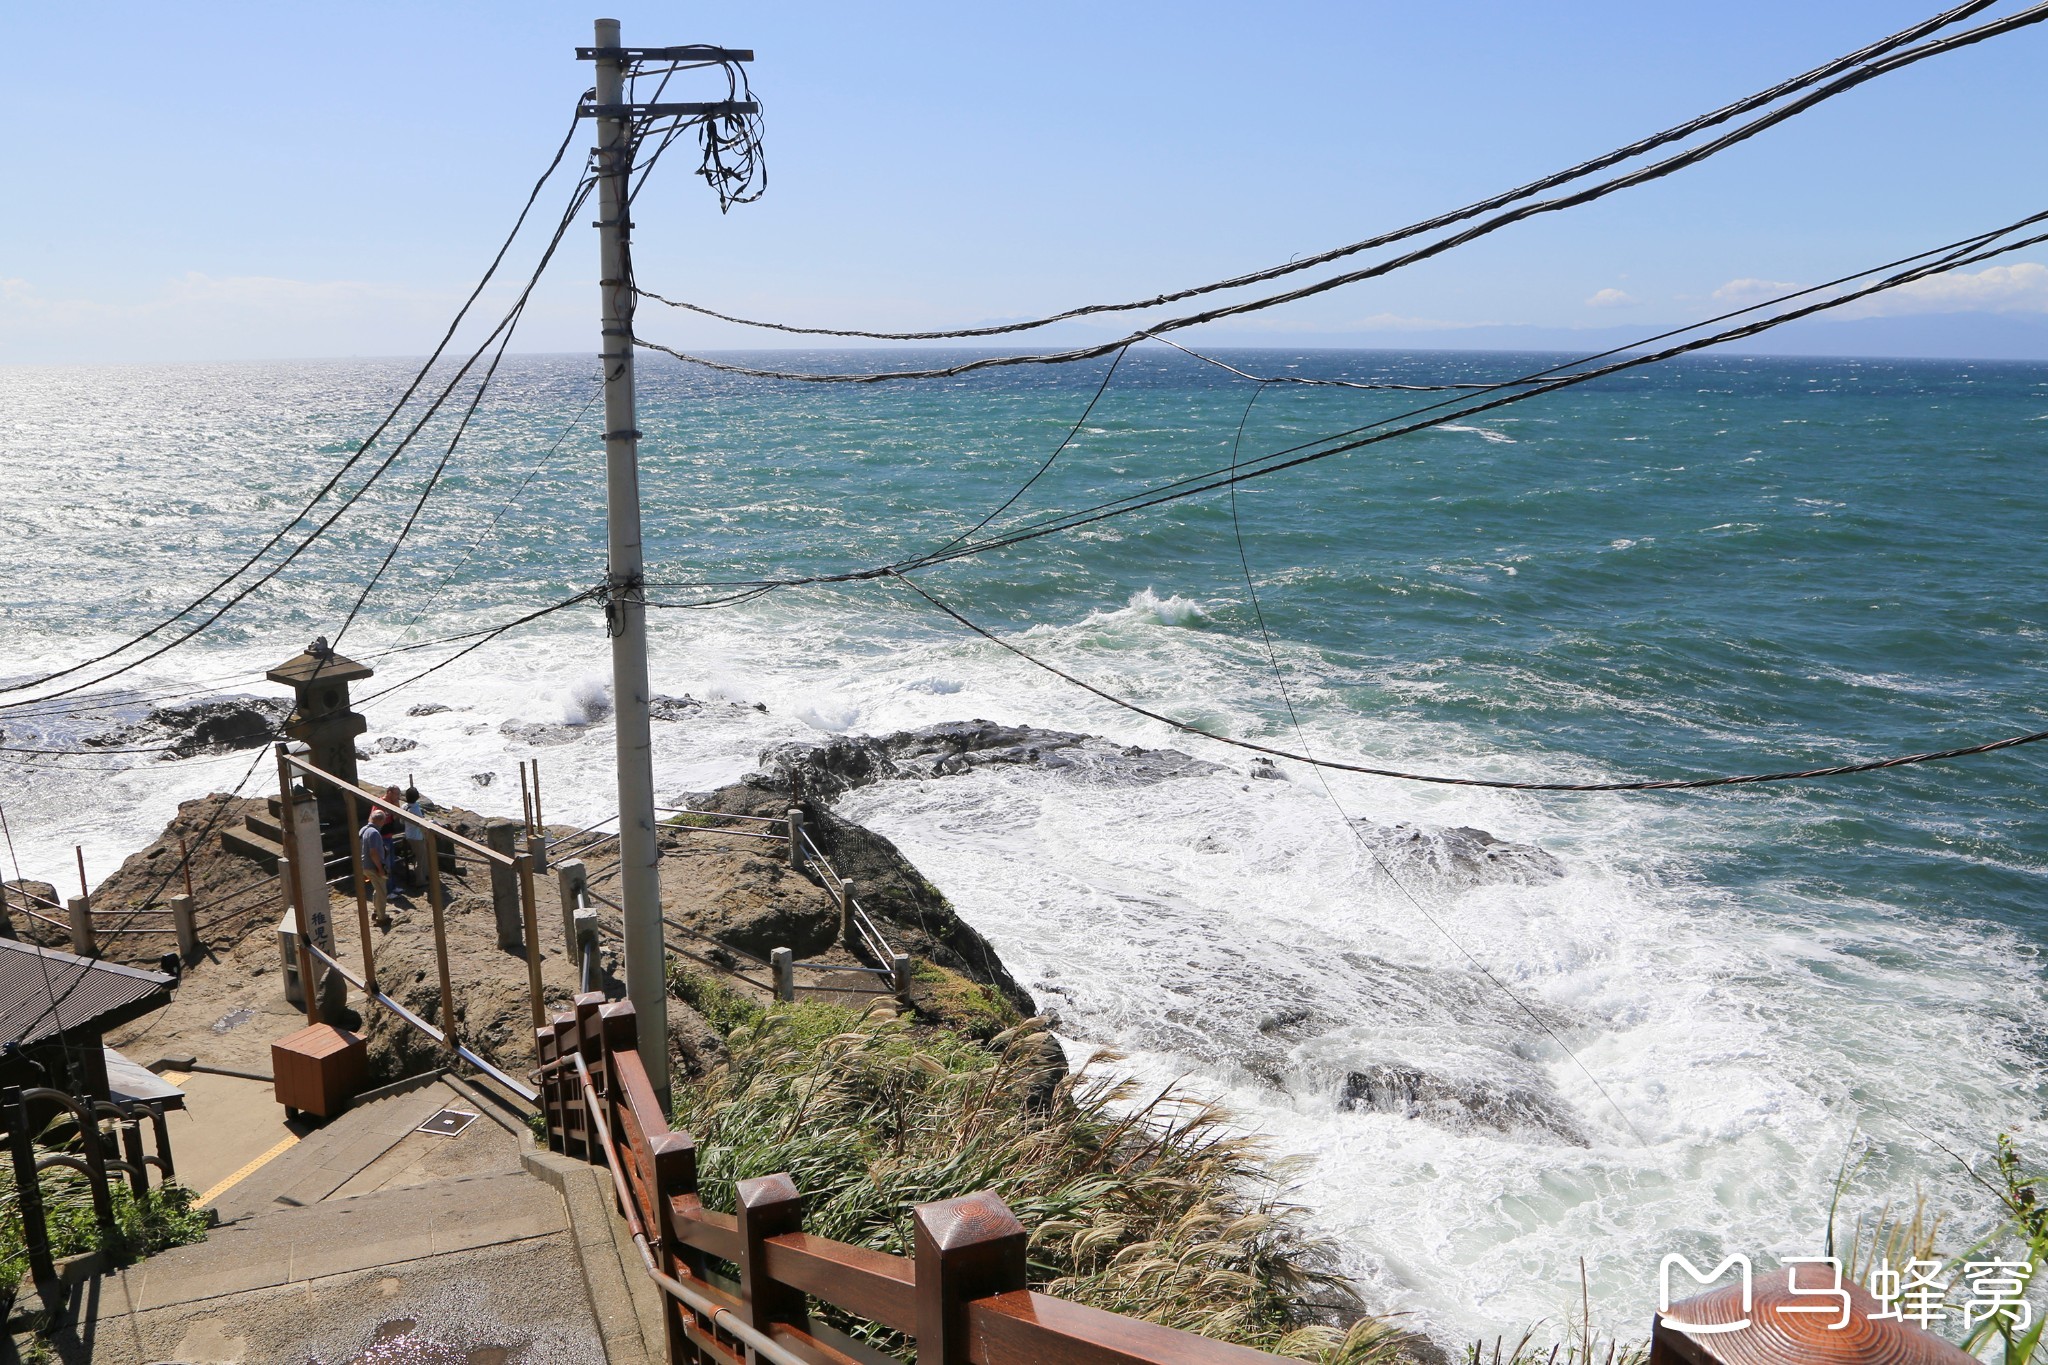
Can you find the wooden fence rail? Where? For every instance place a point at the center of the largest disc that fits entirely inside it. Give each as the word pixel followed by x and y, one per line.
pixel 962 1297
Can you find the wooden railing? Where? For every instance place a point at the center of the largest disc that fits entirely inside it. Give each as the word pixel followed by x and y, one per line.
pixel 962 1297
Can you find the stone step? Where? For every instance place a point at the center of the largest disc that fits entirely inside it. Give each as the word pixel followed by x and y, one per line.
pixel 266 826
pixel 250 844
pixel 327 1158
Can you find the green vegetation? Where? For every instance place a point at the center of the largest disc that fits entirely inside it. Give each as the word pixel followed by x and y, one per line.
pixel 695 820
pixel 165 1217
pixel 1151 1206
pixel 724 1008
pixel 956 1002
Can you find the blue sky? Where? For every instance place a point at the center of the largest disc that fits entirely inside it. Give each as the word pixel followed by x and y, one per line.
pixel 215 181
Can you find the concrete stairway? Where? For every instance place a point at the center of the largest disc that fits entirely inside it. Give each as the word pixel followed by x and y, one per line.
pixel 370 1233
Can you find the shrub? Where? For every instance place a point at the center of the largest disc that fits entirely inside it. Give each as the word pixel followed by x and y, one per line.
pixel 1157 1210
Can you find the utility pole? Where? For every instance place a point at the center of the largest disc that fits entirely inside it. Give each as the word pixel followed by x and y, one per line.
pixel 626 605
pixel 626 600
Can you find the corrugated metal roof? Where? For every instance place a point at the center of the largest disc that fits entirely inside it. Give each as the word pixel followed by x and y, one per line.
pixel 44 992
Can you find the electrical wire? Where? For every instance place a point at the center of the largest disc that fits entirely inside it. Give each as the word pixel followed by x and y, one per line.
pixel 1626 153
pixel 1966 251
pixel 376 473
pixel 1344 816
pixel 1654 171
pixel 1439 779
pixel 326 488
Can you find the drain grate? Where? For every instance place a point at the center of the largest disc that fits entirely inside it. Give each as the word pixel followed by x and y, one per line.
pixel 447 1123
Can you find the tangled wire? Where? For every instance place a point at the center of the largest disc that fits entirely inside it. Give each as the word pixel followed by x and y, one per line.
pixel 733 163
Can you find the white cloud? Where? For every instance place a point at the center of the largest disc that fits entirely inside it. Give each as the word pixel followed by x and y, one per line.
pixel 2018 288
pixel 1745 291
pixel 1611 298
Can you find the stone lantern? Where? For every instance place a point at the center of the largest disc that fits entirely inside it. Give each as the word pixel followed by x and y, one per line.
pixel 322 720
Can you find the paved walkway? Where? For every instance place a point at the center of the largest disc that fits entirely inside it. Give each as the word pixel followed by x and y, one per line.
pixel 370 1240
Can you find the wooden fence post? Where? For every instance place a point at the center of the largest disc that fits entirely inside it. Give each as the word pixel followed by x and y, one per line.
pixel 674 1159
pixel 966 1249
pixel 768 1206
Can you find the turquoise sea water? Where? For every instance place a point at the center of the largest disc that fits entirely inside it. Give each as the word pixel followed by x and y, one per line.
pixel 1724 564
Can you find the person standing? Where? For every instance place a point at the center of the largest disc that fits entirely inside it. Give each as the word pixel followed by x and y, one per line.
pixel 377 863
pixel 416 838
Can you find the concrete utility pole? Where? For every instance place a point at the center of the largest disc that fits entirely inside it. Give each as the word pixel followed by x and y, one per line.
pixel 626 612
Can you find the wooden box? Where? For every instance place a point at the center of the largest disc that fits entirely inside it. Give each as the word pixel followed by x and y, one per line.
pixel 319 1069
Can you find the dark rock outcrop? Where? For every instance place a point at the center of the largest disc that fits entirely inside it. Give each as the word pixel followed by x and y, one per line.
pixel 1461 853
pixel 829 769
pixel 1462 1105
pixel 217 725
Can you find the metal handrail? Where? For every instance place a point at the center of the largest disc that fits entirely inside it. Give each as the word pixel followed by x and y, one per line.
pixel 722 1318
pixel 424 1027
pixel 376 802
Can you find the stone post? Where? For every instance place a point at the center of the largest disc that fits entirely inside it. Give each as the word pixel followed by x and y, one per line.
pixel 181 921
pixel 79 909
pixel 796 839
pixel 784 963
pixel 570 879
pixel 503 837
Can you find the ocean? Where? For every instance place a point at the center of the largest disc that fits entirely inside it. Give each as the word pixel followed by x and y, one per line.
pixel 1724 564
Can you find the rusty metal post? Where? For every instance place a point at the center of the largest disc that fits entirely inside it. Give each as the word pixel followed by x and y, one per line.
pixel 525 798
pixel 768 1206
pixel 539 820
pixel 966 1249
pixel 438 901
pixel 295 881
pixel 185 857
pixel 530 916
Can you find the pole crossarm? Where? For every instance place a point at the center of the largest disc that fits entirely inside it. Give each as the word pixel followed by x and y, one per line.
pixel 710 109
pixel 688 52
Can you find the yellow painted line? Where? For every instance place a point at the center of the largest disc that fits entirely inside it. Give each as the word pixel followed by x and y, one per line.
pixel 239 1176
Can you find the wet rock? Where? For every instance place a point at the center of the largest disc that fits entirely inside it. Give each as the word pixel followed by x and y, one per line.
pixel 1267 768
pixel 217 725
pixel 830 769
pixel 673 708
pixel 427 708
pixel 1458 1105
pixel 483 779
pixel 17 923
pixel 1461 853
pixel 542 732
pixel 395 744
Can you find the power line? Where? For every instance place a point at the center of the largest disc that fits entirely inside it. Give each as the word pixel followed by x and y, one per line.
pixel 1344 816
pixel 1966 251
pixel 391 458
pixel 326 488
pixel 1669 784
pixel 1654 171
pixel 1584 168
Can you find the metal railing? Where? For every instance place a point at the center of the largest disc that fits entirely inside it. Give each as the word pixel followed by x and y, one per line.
pixel 962 1297
pixel 19 1110
pixel 520 865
